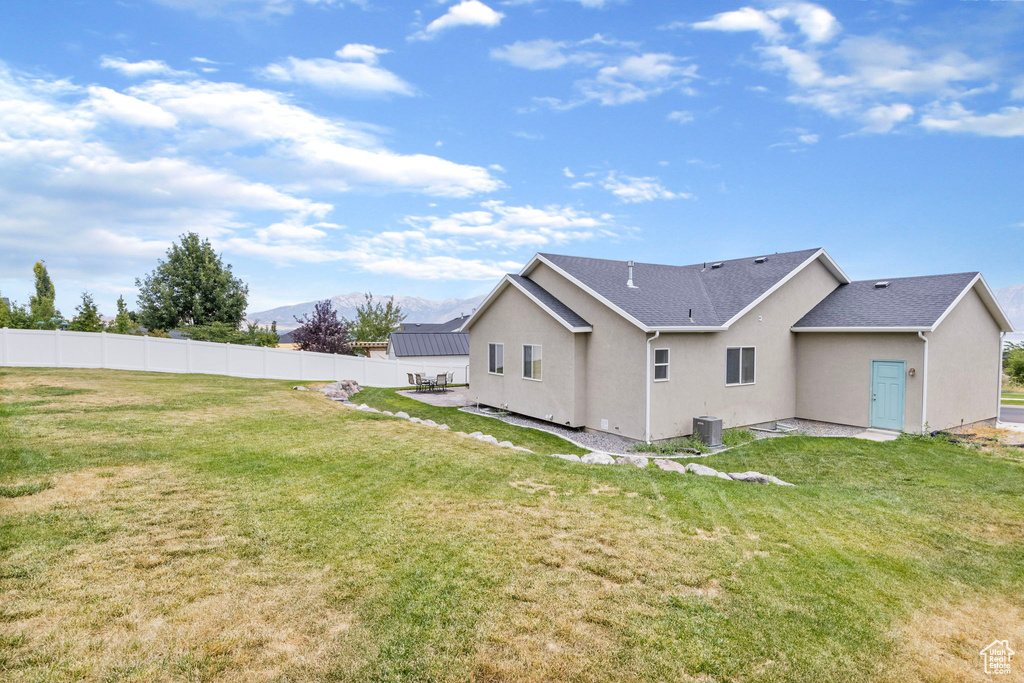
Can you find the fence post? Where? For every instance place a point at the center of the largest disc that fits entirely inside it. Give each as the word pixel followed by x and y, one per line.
pixel 145 352
pixel 188 356
pixel 6 354
pixel 103 349
pixel 56 344
pixel 302 364
pixel 334 367
pixel 265 352
pixel 227 359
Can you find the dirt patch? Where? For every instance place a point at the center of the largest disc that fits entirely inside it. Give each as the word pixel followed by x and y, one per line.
pixel 710 590
pixel 530 486
pixel 945 643
pixel 72 488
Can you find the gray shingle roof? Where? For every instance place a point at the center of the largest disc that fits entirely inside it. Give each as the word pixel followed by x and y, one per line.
pixel 906 302
pixel 430 343
pixel 568 315
pixel 681 296
pixel 448 326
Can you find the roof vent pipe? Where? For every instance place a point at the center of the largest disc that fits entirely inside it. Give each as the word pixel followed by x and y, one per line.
pixel 629 282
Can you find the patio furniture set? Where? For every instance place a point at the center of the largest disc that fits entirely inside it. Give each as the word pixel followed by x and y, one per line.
pixel 426 383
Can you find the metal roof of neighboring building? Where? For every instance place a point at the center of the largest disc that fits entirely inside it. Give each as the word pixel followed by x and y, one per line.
pixel 917 302
pixel 448 326
pixel 699 295
pixel 430 343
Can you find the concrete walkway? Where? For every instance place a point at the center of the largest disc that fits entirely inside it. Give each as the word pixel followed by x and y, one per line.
pixel 456 397
pixel 877 435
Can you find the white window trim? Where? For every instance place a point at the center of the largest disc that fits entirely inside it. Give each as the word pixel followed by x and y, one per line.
pixel 502 345
pixel 741 383
pixel 533 379
pixel 667 364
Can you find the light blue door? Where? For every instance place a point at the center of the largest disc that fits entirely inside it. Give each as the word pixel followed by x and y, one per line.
pixel 888 384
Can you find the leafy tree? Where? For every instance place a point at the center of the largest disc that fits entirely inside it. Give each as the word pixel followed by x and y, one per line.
pixel 1014 364
pixel 123 323
pixel 88 318
pixel 191 287
pixel 375 321
pixel 5 312
pixel 253 335
pixel 14 316
pixel 324 332
pixel 41 304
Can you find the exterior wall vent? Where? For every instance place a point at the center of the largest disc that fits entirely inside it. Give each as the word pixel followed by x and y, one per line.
pixel 882 285
pixel 715 265
pixel 760 259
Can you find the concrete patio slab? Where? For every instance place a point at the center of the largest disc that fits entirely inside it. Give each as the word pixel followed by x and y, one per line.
pixel 456 397
pixel 877 435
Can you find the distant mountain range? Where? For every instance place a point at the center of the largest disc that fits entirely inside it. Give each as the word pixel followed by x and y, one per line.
pixel 1012 301
pixel 419 310
pixel 416 310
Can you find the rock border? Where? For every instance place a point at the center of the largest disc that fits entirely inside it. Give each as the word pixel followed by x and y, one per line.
pixel 343 390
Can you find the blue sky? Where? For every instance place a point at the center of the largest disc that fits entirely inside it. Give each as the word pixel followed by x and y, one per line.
pixel 423 148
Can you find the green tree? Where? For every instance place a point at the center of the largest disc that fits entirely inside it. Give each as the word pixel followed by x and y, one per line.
pixel 1014 364
pixel 41 304
pixel 14 316
pixel 252 335
pixel 191 287
pixel 375 320
pixel 324 331
pixel 122 323
pixel 88 318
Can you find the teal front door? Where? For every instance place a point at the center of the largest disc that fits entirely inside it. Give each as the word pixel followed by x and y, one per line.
pixel 888 383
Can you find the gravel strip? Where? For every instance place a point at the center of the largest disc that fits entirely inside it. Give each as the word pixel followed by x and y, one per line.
pixel 605 443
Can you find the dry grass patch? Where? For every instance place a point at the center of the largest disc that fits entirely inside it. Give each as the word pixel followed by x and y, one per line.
pixel 72 488
pixel 173 590
pixel 944 642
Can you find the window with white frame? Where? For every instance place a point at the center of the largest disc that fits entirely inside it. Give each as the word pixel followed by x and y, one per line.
pixel 739 365
pixel 660 365
pixel 532 357
pixel 496 359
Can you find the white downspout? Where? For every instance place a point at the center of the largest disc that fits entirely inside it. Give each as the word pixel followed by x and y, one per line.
pixel 647 423
pixel 999 377
pixel 924 386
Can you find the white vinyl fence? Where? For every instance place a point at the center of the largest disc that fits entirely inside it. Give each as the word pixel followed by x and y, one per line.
pixel 49 349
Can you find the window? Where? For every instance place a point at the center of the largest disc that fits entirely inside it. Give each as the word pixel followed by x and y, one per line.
pixel 496 359
pixel 660 365
pixel 739 365
pixel 532 357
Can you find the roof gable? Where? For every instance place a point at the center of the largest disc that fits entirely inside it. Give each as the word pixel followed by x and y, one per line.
pixel 698 297
pixel 904 304
pixel 550 304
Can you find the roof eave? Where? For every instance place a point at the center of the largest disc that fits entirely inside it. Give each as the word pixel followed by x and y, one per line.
pixel 988 298
pixel 505 282
pixel 918 328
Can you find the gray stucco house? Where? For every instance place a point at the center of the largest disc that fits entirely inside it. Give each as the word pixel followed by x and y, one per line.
pixel 641 349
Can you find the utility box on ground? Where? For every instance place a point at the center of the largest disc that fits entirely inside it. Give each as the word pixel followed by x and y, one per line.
pixel 709 430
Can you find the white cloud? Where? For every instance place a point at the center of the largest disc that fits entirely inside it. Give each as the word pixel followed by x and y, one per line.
pixel 1005 123
pixel 634 190
pixel 147 67
pixel 533 54
pixel 466 13
pixel 567 172
pixel 112 105
pixel 816 23
pixel 621 73
pixel 321 152
pixel 680 116
pixel 358 74
pixel 808 138
pixel 883 118
pixel 743 19
pixel 870 80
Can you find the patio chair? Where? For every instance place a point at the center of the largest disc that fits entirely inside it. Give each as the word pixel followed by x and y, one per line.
pixel 413 381
pixel 422 383
pixel 442 382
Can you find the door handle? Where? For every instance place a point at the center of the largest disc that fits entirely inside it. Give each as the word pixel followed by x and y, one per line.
pixel 874 397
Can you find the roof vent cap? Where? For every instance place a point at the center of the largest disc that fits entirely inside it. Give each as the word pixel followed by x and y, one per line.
pixel 629 281
pixel 716 265
pixel 882 284
pixel 760 259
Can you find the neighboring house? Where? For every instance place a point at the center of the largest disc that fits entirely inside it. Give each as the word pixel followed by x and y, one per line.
pixel 374 349
pixel 287 341
pixel 432 343
pixel 641 349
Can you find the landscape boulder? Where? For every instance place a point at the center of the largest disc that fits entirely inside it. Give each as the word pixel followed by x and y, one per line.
pixel 779 482
pixel 566 456
pixel 402 414
pixel 705 471
pixel 598 458
pixel 476 435
pixel 415 419
pixel 301 388
pixel 635 460
pixel 506 444
pixel 430 423
pixel 387 412
pixel 670 465
pixel 753 477
pixel 489 439
pixel 443 428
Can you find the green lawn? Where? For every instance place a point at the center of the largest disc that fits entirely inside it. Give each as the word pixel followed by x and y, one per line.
pixel 175 527
pixel 1012 397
